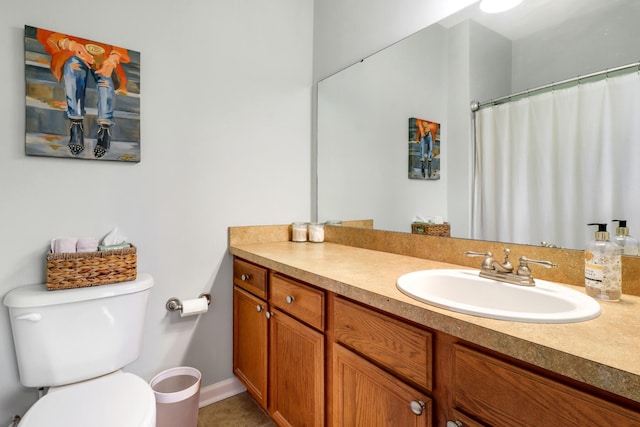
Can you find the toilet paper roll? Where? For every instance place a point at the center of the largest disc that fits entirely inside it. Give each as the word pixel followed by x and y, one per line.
pixel 191 307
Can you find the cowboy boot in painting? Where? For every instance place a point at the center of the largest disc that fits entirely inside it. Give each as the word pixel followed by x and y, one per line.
pixel 76 139
pixel 103 142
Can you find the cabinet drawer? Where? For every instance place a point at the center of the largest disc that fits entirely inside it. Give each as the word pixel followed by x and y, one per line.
pixel 397 346
pixel 498 393
pixel 300 301
pixel 250 277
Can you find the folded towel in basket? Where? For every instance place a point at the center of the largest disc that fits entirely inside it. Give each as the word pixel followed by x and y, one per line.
pixel 87 244
pixel 63 245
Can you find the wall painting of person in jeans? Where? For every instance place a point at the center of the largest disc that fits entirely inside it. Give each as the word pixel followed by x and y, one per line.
pixel 424 149
pixel 82 97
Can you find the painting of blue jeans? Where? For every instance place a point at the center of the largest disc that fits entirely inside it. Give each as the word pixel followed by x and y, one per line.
pixel 82 98
pixel 424 149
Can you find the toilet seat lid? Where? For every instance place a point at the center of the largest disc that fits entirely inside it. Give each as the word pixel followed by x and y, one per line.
pixel 122 400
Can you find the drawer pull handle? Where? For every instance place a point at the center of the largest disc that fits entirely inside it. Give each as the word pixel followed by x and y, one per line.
pixel 418 407
pixel 454 424
pixel 268 314
pixel 290 299
pixel 259 308
pixel 245 277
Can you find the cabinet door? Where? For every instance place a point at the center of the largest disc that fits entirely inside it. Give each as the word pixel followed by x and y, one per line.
pixel 365 395
pixel 250 328
pixel 296 373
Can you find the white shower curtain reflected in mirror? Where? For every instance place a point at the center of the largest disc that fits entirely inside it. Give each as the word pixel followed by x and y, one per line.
pixel 549 164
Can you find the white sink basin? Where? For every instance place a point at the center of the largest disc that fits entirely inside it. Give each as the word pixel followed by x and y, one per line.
pixel 464 291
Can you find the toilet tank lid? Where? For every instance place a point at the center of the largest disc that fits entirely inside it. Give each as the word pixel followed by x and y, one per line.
pixel 39 296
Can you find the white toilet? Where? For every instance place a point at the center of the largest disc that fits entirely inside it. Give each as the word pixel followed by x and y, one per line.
pixel 75 341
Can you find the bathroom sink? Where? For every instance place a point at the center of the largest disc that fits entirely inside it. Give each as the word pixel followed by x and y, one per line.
pixel 464 291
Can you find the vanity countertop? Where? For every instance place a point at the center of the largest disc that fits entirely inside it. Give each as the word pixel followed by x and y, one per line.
pixel 603 352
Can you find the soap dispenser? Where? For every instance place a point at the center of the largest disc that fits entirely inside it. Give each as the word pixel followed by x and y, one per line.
pixel 629 245
pixel 603 266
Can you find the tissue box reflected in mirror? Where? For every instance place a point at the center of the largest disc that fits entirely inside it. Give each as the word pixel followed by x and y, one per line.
pixel 442 230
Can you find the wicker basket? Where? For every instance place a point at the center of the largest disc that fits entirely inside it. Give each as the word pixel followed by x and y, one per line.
pixel 82 269
pixel 443 230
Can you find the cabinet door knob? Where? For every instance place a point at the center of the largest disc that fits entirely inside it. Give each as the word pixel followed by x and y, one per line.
pixel 245 277
pixel 418 407
pixel 454 424
pixel 268 314
pixel 290 299
pixel 259 308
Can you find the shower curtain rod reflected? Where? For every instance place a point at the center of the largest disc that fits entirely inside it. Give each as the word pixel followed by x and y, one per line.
pixel 475 105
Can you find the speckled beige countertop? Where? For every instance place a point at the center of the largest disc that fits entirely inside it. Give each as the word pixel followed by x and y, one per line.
pixel 602 352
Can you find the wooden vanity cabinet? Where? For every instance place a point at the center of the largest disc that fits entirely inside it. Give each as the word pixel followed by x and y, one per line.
pixel 278 344
pixel 250 328
pixel 297 353
pixel 294 344
pixel 380 367
pixel 499 393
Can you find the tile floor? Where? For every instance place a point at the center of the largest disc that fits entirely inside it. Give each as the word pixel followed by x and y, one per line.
pixel 237 411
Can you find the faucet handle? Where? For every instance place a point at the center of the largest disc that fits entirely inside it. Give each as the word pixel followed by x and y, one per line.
pixel 474 253
pixel 523 268
pixel 488 258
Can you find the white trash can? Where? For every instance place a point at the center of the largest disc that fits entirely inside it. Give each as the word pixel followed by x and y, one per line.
pixel 177 392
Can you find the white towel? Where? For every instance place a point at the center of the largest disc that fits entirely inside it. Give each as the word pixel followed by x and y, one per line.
pixel 87 244
pixel 63 245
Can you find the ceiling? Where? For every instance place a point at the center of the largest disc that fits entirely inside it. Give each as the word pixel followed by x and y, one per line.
pixel 529 17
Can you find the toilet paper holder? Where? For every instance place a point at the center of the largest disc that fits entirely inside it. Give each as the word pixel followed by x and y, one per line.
pixel 174 304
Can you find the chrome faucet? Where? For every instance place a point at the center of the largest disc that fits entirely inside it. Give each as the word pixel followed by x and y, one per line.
pixel 492 269
pixel 491 264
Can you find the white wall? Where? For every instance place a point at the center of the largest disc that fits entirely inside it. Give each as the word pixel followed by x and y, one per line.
pixel 457 101
pixel 226 93
pixel 479 66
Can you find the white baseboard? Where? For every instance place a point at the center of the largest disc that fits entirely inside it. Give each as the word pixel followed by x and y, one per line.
pixel 220 391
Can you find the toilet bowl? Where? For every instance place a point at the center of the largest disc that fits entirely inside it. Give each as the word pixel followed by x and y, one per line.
pixel 75 342
pixel 122 400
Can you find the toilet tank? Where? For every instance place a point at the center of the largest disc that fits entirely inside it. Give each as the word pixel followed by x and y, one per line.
pixel 71 335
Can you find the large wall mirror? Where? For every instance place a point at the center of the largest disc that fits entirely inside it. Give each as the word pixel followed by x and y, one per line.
pixel 363 111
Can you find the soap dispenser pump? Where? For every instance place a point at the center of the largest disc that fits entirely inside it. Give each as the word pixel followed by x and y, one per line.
pixel 603 266
pixel 629 245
